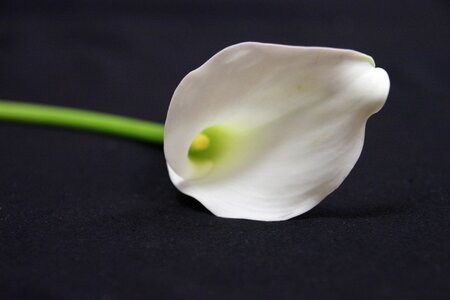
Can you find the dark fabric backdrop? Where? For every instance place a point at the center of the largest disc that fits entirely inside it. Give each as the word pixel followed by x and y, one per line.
pixel 86 216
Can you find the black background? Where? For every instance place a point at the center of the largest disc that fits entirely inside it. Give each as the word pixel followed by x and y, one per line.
pixel 86 216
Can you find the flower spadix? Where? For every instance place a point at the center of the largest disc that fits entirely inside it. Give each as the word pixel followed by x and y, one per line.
pixel 265 131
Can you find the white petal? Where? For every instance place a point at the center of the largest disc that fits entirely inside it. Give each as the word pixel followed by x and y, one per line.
pixel 301 112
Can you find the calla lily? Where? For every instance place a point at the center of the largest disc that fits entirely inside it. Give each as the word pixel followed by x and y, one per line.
pixel 266 132
pixel 260 131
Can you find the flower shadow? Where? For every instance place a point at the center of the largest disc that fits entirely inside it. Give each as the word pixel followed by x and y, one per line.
pixel 324 210
pixel 355 212
pixel 192 204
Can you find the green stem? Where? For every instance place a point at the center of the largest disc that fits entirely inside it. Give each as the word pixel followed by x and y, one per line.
pixel 81 119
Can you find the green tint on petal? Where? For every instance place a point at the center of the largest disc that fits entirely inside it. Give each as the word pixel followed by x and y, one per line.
pixel 212 144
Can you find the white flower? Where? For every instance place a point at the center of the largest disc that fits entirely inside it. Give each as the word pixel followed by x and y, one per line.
pixel 265 131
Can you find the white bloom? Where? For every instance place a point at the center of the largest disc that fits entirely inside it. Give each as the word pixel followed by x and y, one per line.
pixel 265 131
